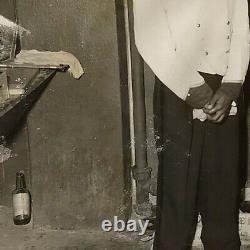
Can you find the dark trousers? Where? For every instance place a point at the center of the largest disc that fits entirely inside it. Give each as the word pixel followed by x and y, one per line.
pixel 198 174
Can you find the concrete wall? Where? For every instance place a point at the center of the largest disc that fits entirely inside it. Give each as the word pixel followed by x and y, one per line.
pixel 151 144
pixel 78 130
pixel 7 9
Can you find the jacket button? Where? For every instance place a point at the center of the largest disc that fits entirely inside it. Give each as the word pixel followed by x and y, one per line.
pixel 228 37
pixel 206 53
pixel 228 22
pixel 198 25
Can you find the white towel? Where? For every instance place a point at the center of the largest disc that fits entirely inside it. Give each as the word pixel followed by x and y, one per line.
pixel 51 58
pixel 200 115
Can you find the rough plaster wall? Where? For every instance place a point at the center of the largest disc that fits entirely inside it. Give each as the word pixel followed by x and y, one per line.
pixel 75 129
pixel 7 9
pixel 151 147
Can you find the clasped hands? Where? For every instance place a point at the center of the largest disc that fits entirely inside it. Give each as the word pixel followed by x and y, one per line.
pixel 215 105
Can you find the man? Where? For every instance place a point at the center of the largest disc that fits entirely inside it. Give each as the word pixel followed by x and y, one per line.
pixel 199 52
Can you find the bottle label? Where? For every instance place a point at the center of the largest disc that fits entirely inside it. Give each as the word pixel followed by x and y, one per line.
pixel 21 204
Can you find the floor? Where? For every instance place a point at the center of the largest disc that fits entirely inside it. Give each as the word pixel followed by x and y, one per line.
pixel 24 238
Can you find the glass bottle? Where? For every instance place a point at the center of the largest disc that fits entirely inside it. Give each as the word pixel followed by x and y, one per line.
pixel 21 201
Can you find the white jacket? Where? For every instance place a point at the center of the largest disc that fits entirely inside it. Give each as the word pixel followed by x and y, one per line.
pixel 178 38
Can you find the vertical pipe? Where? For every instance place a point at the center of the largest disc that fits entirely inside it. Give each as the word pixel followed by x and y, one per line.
pixel 141 172
pixel 130 93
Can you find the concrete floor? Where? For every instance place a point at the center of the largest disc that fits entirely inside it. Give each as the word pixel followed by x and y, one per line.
pixel 25 238
pixel 22 238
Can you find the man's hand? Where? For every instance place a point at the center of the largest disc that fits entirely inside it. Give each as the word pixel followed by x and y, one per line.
pixel 219 106
pixel 198 97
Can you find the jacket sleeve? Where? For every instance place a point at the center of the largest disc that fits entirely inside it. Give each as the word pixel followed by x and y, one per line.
pixel 239 48
pixel 155 43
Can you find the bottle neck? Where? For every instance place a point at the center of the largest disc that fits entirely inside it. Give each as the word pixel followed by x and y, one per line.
pixel 20 181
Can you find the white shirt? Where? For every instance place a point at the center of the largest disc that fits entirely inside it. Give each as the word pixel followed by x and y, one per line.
pixel 178 38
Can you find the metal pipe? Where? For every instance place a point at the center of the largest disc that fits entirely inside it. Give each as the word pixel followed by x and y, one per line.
pixel 141 172
pixel 34 66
